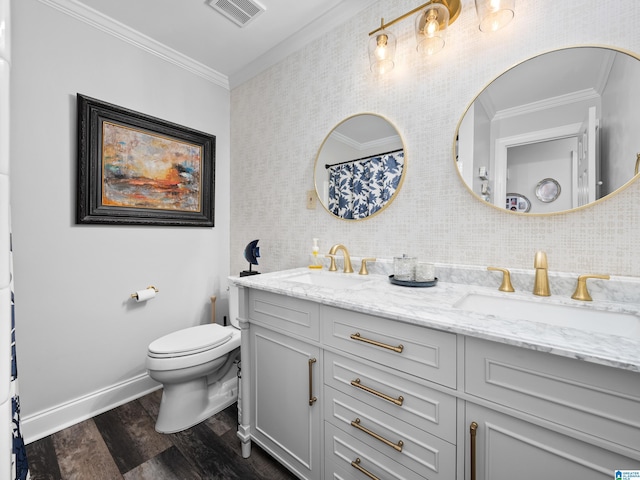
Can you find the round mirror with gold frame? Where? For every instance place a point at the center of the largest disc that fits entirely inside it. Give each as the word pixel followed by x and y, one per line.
pixel 570 115
pixel 360 167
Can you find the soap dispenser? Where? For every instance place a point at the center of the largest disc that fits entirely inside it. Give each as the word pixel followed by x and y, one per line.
pixel 314 258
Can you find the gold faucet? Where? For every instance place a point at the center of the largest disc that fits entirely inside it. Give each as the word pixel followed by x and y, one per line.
pixel 581 292
pixel 506 285
pixel 541 284
pixel 347 260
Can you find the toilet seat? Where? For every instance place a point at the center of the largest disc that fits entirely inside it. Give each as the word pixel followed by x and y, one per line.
pixel 190 341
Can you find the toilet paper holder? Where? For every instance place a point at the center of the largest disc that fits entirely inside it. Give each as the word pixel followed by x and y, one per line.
pixel 135 294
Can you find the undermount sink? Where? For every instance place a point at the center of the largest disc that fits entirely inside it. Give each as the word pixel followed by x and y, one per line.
pixel 328 279
pixel 590 319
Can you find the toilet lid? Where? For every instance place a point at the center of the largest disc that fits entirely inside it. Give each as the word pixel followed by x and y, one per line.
pixel 190 340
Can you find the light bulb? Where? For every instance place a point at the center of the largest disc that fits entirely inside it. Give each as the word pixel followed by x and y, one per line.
pixel 381 51
pixel 431 27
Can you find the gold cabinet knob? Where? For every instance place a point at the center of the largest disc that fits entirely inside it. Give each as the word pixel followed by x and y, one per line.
pixel 582 293
pixel 505 286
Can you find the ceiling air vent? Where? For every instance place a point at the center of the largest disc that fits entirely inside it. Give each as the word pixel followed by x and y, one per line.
pixel 240 12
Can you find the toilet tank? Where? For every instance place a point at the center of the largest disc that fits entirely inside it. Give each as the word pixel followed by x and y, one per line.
pixel 233 305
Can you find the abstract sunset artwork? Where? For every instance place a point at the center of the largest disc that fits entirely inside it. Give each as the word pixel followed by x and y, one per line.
pixel 149 171
pixel 136 169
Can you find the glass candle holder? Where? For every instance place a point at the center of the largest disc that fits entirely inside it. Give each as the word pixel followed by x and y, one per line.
pixel 404 268
pixel 425 272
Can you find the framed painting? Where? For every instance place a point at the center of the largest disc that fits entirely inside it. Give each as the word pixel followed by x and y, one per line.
pixel 135 169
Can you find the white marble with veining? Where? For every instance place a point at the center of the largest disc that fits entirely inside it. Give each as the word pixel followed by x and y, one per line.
pixel 434 308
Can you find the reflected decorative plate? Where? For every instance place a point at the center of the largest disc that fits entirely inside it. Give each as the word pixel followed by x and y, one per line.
pixel 412 283
pixel 516 202
pixel 547 190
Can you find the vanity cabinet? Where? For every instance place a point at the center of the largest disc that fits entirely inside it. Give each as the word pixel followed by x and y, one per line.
pixel 548 416
pixel 382 417
pixel 507 447
pixel 285 391
pixel 340 394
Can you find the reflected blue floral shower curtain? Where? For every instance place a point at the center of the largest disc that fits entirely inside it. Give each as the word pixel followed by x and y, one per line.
pixel 19 464
pixel 360 188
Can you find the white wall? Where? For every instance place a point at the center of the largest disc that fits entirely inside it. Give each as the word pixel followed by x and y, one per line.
pixel 620 125
pixel 81 340
pixel 531 163
pixel 280 118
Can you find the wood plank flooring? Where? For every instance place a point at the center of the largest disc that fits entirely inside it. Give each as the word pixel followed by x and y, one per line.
pixel 122 444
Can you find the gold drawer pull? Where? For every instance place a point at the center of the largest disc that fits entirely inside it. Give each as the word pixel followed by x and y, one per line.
pixel 356 336
pixel 312 399
pixel 473 428
pixel 398 401
pixel 356 464
pixel 396 446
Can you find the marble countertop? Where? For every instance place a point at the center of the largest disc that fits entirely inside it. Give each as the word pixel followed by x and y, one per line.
pixel 434 307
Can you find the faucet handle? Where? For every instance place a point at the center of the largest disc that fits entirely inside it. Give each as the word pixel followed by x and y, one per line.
pixel 581 292
pixel 540 260
pixel 363 265
pixel 332 266
pixel 506 279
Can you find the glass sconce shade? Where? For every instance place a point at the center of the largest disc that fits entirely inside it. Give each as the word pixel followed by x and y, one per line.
pixel 494 14
pixel 382 50
pixel 431 28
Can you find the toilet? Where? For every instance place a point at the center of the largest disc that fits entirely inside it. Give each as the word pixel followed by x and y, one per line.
pixel 198 367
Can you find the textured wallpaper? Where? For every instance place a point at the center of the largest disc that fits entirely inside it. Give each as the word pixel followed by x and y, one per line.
pixel 280 118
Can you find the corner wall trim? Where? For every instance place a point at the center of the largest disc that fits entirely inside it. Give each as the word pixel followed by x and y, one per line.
pixel 47 422
pixel 108 25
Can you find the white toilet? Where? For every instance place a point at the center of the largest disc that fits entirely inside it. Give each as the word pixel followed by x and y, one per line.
pixel 198 369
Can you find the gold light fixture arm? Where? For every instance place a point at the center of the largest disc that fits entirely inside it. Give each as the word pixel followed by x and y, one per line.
pixel 637 164
pixel 453 6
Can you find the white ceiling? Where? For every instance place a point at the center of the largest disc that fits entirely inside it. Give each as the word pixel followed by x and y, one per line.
pixel 194 29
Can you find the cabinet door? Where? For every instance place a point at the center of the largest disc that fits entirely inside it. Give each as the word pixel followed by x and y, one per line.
pixel 285 393
pixel 508 448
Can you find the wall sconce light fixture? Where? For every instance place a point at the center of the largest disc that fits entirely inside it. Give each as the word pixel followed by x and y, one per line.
pixel 431 23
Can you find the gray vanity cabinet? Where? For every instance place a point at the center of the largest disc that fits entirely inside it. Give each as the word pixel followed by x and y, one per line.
pixel 383 416
pixel 545 416
pixel 285 381
pixel 335 393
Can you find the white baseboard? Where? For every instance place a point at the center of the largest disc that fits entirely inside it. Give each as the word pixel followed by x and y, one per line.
pixel 46 422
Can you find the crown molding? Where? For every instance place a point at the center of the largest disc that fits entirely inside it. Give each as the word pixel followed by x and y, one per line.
pixel 305 35
pixel 81 12
pixel 379 143
pixel 574 97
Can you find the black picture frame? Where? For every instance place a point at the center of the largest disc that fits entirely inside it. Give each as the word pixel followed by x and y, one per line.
pixel 113 183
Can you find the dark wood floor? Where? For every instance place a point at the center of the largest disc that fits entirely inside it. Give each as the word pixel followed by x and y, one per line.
pixel 123 444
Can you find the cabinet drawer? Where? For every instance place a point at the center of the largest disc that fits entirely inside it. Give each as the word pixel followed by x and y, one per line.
pixel 286 314
pixel 601 401
pixel 426 353
pixel 420 406
pixel 343 452
pixel 414 448
pixel 508 448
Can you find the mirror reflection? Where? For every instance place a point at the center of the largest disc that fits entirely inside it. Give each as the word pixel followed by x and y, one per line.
pixel 360 167
pixel 554 133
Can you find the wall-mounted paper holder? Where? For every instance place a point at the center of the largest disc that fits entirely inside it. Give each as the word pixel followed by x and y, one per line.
pixel 135 295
